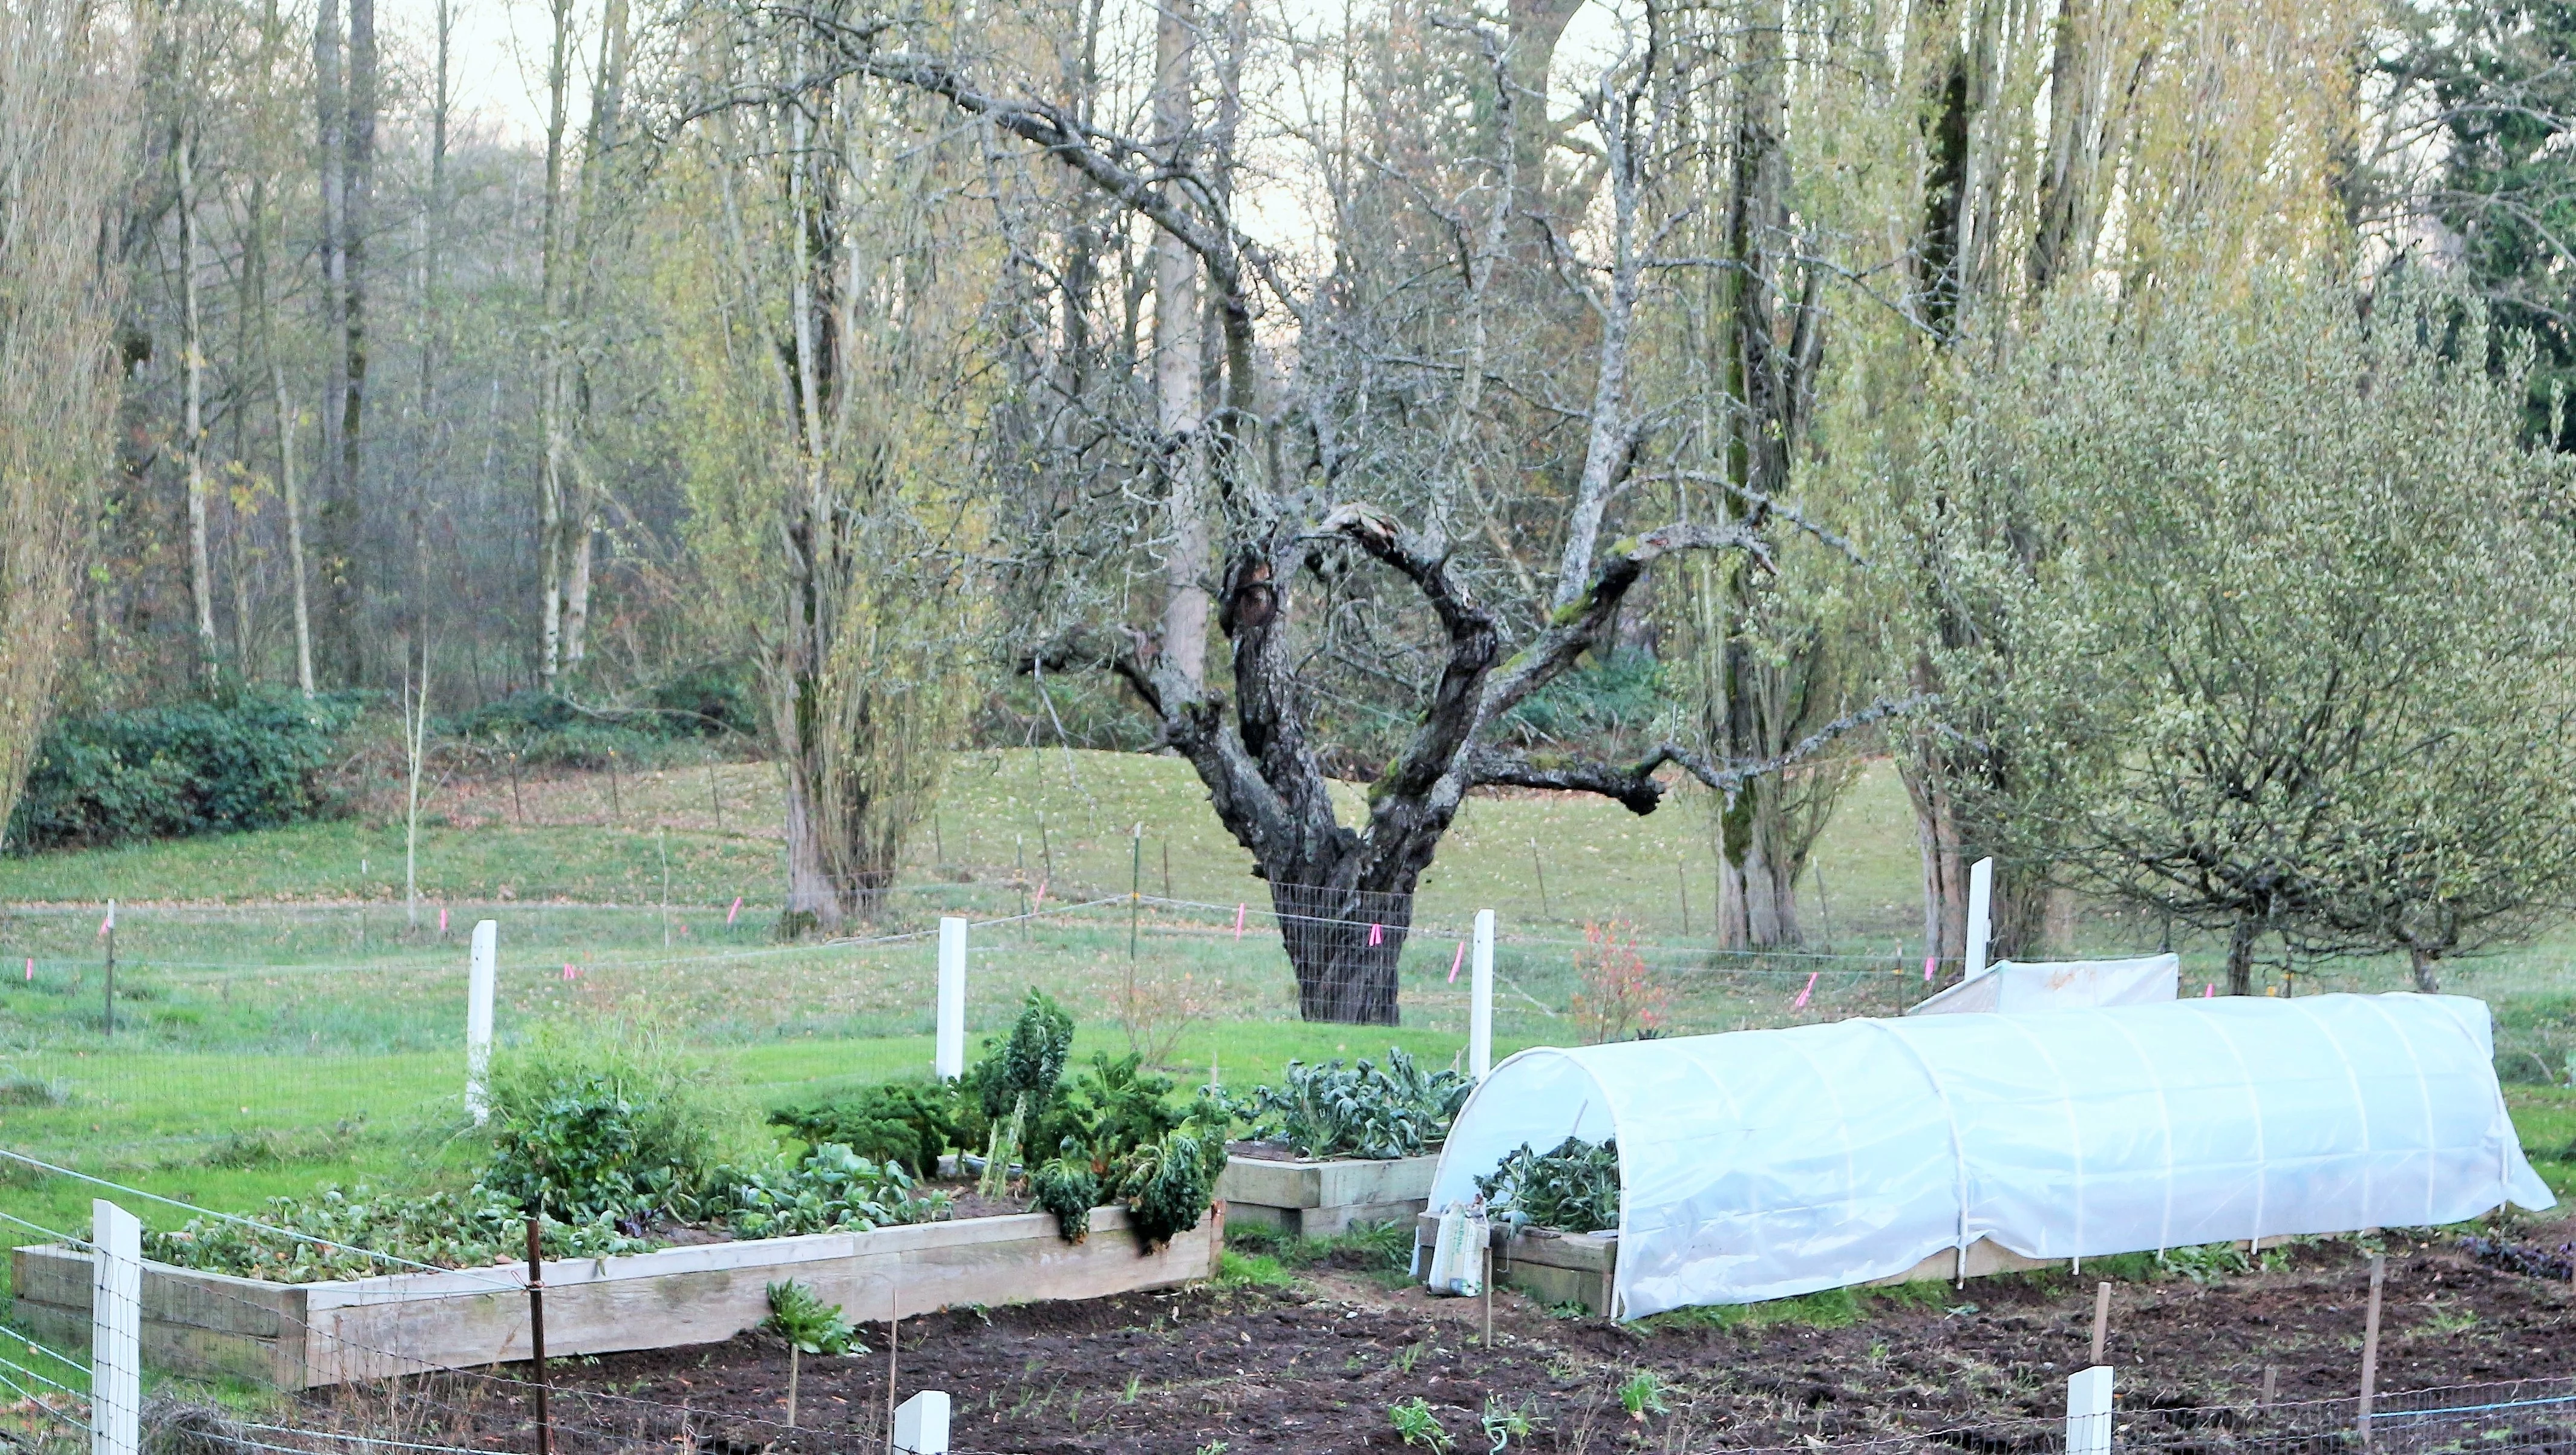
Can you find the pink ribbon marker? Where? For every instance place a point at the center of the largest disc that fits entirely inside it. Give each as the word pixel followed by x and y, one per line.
pixel 1238 921
pixel 442 919
pixel 1801 1002
pixel 737 909
pixel 569 972
pixel 108 923
pixel 2209 990
pixel 1454 961
pixel 1377 934
pixel 1928 962
pixel 31 969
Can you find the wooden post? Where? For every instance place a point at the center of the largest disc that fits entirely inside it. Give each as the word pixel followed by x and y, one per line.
pixel 662 846
pixel 517 805
pixel 2271 1384
pixel 108 931
pixel 537 1337
pixel 1480 1000
pixel 715 799
pixel 948 1052
pixel 1167 868
pixel 2101 1322
pixel 1681 871
pixel 482 968
pixel 616 800
pixel 1135 900
pixel 894 1340
pixel 2370 1345
pixel 1486 1282
pixel 795 1362
pixel 1541 870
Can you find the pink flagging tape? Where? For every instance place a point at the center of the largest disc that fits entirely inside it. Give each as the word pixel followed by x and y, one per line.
pixel 1928 962
pixel 737 909
pixel 1377 934
pixel 570 973
pixel 1454 961
pixel 2209 990
pixel 31 969
pixel 1238 921
pixel 442 919
pixel 1801 1002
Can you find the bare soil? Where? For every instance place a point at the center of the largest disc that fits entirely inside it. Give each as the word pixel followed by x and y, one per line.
pixel 1317 1366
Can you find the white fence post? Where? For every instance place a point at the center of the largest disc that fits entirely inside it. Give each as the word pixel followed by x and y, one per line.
pixel 1981 903
pixel 1480 1000
pixel 948 1059
pixel 115 1330
pixel 2088 1411
pixel 921 1424
pixel 481 969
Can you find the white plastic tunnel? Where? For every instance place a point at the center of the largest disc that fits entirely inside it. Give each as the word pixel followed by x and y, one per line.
pixel 1763 1164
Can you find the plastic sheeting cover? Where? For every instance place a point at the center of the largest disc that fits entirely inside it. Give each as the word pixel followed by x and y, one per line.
pixel 1763 1164
pixel 2015 988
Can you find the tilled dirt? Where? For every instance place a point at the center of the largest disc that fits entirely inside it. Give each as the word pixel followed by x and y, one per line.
pixel 1317 1367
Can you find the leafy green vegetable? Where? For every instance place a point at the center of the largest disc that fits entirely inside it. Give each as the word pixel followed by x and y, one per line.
pixel 1574 1189
pixel 911 1122
pixel 813 1326
pixel 1362 1110
pixel 444 1229
pixel 833 1188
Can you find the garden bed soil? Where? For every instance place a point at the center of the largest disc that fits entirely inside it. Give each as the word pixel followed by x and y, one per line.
pixel 1316 1367
pixel 1269 1186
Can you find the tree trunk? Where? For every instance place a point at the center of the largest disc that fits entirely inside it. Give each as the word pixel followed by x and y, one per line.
pixel 1344 945
pixel 201 571
pixel 346 509
pixel 550 284
pixel 287 485
pixel 2428 979
pixel 330 161
pixel 1941 249
pixel 1177 368
pixel 2240 955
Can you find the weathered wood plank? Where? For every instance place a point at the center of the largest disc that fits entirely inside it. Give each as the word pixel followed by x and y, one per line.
pixel 296 1336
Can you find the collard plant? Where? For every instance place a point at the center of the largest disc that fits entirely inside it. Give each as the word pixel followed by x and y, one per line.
pixel 810 1326
pixel 1360 1110
pixel 1573 1188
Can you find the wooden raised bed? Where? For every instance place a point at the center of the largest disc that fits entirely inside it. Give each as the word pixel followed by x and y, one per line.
pixel 1562 1268
pixel 1316 1199
pixel 298 1335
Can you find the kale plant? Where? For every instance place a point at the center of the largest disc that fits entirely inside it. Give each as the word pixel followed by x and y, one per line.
pixel 1362 1110
pixel 832 1189
pixel 1573 1189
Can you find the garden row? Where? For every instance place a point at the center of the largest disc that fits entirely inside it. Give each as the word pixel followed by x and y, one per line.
pixel 666 1217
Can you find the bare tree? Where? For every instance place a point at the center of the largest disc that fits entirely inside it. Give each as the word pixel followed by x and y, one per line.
pixel 1284 463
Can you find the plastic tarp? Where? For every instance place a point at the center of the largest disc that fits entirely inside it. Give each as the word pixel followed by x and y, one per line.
pixel 2014 988
pixel 1763 1164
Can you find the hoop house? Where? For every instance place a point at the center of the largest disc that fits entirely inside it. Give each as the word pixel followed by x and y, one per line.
pixel 1763 1164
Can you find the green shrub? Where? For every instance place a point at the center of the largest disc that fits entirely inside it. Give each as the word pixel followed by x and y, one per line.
pixel 706 702
pixel 1573 1189
pixel 1361 1110
pixel 911 1122
pixel 804 1320
pixel 249 762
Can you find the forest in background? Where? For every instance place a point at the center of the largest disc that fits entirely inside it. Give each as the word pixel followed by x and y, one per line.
pixel 2137 417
